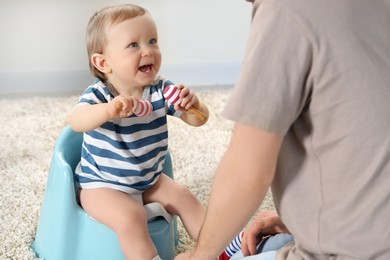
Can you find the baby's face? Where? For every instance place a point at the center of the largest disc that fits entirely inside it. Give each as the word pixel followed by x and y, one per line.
pixel 132 51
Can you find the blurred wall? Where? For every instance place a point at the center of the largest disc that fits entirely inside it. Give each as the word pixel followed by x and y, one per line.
pixel 43 42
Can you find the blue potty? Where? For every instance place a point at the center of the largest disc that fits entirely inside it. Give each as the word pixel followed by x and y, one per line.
pixel 66 232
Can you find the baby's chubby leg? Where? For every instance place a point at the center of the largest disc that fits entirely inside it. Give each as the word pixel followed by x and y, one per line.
pixel 125 216
pixel 178 200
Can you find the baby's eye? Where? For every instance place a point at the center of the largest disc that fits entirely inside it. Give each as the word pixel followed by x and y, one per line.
pixel 133 45
pixel 153 41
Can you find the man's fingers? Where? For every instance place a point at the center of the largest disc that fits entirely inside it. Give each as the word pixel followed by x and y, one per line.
pixel 251 237
pixel 245 246
pixel 252 243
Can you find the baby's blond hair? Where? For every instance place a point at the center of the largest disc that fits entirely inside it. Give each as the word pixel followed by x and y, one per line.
pixel 97 27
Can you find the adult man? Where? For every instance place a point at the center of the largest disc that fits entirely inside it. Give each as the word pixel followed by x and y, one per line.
pixel 312 116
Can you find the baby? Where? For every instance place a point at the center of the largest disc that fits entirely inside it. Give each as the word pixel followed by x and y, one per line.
pixel 123 152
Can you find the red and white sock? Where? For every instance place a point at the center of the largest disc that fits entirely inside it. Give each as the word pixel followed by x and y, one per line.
pixel 232 248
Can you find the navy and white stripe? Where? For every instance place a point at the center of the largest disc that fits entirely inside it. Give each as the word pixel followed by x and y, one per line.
pixel 125 154
pixel 235 245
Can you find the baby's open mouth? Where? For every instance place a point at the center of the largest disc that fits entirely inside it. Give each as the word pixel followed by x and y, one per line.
pixel 146 68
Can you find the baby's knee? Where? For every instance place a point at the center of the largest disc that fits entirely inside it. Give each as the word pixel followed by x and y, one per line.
pixel 184 195
pixel 183 198
pixel 127 220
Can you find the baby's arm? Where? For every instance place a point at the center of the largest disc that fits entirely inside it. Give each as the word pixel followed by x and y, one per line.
pixel 191 100
pixel 85 118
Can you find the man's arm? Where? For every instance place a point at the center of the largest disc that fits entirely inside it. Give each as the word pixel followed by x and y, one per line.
pixel 242 181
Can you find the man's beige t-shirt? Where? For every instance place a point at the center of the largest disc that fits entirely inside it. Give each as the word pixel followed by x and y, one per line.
pixel 318 72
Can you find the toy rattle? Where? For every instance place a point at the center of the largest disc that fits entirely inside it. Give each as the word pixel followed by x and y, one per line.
pixel 172 94
pixel 143 109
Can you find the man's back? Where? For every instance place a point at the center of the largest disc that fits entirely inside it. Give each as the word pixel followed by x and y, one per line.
pixel 331 187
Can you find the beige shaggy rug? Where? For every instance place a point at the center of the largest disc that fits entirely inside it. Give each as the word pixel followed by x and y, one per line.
pixel 30 128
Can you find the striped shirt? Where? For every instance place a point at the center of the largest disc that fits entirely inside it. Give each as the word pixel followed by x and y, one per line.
pixel 125 154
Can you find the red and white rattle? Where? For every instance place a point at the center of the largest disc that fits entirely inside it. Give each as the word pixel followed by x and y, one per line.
pixel 143 109
pixel 172 94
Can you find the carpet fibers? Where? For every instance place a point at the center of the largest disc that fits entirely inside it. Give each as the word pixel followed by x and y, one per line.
pixel 30 128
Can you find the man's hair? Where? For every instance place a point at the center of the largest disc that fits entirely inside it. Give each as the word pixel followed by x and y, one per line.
pixel 97 27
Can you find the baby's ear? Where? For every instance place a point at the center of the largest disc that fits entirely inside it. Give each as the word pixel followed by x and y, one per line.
pixel 99 61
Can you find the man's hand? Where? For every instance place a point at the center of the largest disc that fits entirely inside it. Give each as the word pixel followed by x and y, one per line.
pixel 266 223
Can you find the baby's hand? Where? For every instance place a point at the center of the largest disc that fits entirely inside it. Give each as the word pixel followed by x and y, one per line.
pixel 122 106
pixel 189 99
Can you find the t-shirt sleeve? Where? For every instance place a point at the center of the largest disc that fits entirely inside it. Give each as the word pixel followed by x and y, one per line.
pixel 271 90
pixel 95 94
